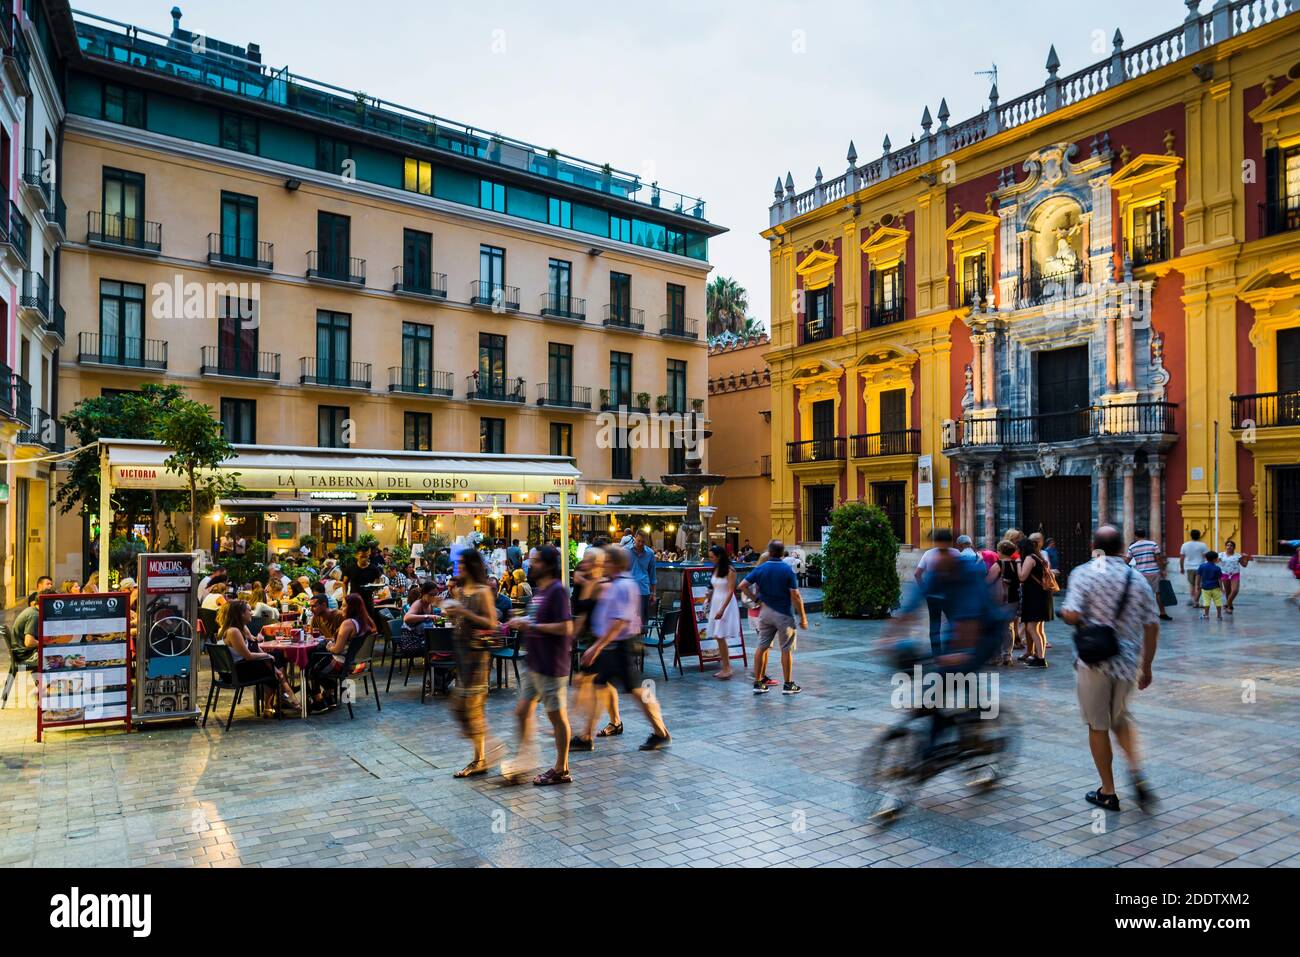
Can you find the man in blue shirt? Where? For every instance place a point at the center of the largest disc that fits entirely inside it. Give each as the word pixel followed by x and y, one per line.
pixel 774 584
pixel 643 573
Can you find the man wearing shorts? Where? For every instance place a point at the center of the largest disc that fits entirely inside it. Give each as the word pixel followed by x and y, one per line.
pixel 547 643
pixel 1109 592
pixel 774 584
pixel 616 625
pixel 1146 558
pixel 1190 558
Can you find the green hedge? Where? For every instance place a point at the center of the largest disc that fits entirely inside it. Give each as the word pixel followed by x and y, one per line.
pixel 860 564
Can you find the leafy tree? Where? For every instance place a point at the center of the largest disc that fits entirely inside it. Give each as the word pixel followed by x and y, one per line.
pixel 125 415
pixel 726 305
pixel 198 445
pixel 860 563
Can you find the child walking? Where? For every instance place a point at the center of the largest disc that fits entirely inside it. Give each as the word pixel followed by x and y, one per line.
pixel 1211 580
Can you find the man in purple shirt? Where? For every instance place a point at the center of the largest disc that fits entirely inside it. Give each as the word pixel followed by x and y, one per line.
pixel 616 624
pixel 548 634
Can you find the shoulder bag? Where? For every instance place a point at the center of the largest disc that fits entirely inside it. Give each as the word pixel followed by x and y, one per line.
pixel 1095 643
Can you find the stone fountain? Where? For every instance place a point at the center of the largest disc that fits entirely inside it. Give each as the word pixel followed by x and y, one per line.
pixel 693 481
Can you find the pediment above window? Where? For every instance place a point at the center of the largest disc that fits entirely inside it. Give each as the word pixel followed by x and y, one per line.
pixel 817 269
pixel 1146 173
pixel 971 226
pixel 886 243
pixel 1279 115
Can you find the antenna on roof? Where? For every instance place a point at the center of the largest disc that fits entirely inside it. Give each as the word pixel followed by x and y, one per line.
pixel 991 73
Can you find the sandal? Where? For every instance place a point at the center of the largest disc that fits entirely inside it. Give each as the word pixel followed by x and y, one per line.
pixel 721 677
pixel 581 744
pixel 552 776
pixel 610 730
pixel 472 770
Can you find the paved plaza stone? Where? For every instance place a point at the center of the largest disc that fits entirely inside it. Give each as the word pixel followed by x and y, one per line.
pixel 749 781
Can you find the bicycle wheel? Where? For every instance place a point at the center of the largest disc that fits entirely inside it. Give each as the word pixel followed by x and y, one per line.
pixel 994 757
pixel 889 771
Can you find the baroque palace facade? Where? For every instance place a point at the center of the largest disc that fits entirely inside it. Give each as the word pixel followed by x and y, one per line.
pixel 384 278
pixel 1082 304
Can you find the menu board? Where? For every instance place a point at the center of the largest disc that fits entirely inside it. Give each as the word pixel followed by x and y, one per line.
pixel 85 661
pixel 167 662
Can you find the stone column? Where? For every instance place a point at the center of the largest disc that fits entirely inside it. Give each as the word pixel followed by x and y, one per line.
pixel 977 340
pixel 1155 468
pixel 1104 466
pixel 1127 467
pixel 1130 353
pixel 988 473
pixel 990 371
pixel 967 499
pixel 1112 359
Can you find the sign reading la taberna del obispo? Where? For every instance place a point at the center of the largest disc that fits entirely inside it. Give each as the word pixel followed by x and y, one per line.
pixel 154 477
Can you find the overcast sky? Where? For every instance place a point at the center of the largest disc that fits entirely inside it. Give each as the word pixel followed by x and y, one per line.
pixel 713 99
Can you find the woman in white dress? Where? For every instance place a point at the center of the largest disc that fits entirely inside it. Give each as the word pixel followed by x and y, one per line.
pixel 724 608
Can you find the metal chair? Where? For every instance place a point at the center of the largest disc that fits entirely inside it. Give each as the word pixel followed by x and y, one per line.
pixel 440 660
pixel 358 665
pixel 393 653
pixel 208 624
pixel 666 638
pixel 512 652
pixel 225 677
pixel 21 658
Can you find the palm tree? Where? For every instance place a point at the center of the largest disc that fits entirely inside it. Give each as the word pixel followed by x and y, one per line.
pixel 753 329
pixel 727 304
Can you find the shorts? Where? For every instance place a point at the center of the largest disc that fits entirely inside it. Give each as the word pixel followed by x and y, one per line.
pixel 1234 577
pixel 774 626
pixel 1211 596
pixel 550 690
pixel 1103 700
pixel 616 665
pixel 1194 579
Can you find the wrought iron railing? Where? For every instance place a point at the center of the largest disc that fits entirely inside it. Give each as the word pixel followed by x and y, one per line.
pixel 127 351
pixel 495 295
pixel 563 307
pixel 1139 418
pixel 335 267
pixel 481 388
pixel 35 294
pixel 419 381
pixel 678 327
pixel 896 442
pixel 431 285
pixel 314 370
pixel 815 450
pixel 238 363
pixel 45 431
pixel 1149 246
pixel 1279 215
pixel 624 317
pixel 564 396
pixel 240 251
pixel 1266 410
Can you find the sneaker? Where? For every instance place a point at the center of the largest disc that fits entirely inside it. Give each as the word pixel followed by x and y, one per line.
pixel 1107 802
pixel 655 742
pixel 770 682
pixel 760 687
pixel 790 688
pixel 1036 662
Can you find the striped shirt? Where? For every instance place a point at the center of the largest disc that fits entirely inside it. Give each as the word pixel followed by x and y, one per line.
pixel 1146 556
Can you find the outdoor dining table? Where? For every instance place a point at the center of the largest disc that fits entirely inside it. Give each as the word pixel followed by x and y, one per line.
pixel 296 652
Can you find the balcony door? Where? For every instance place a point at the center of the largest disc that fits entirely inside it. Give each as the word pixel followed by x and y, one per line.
pixel 333 346
pixel 121 322
pixel 893 422
pixel 334 244
pixel 821 502
pixel 560 286
pixel 1063 394
pixel 417 260
pixel 239 227
pixel 620 379
pixel 236 340
pixel 676 308
pixel 891 498
pixel 620 297
pixel 417 357
pixel 491 364
pixel 823 429
pixel 1288 376
pixel 491 269
pixel 560 373
pixel 123 206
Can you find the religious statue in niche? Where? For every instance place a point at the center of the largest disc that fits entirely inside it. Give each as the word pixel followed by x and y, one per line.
pixel 1065 260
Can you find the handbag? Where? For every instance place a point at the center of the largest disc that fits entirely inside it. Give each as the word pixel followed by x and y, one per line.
pixel 1168 598
pixel 408 644
pixel 1095 643
pixel 1050 584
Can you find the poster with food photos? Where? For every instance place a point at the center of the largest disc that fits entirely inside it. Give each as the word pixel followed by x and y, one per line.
pixel 85 661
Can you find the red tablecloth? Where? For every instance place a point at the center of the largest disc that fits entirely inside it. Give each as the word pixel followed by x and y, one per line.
pixel 296 652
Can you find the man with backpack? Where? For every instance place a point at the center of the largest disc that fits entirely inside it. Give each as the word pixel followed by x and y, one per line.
pixel 1115 612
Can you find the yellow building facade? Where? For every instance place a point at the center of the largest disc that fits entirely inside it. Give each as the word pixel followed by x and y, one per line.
pixel 1080 305
pixel 325 271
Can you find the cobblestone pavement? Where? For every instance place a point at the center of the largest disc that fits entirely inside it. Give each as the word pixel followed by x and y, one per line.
pixel 750 780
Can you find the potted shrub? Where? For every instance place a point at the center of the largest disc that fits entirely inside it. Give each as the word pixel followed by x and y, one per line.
pixel 643 400
pixel 604 398
pixel 814 569
pixel 661 403
pixel 859 563
pixel 697 405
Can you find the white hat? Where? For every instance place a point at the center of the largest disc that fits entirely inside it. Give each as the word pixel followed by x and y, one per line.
pixel 273 567
pixel 127 583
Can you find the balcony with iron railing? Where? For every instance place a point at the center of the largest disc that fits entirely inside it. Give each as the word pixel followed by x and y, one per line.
pixel 668 404
pixel 334 373
pixel 973 289
pixel 180 58
pixel 481 388
pixel 886 312
pixel 555 306
pixel 36 176
pixel 127 352
pixel 16 232
pixel 1094 422
pixel 57 216
pixel 1266 410
pixel 58 322
pixel 429 285
pixel 6 391
pixel 613 400
pixel 17 57
pixel 1039 287
pixel 494 296
pixel 21 390
pixel 1279 215
pixel 420 381
pixel 562 395
pixel 678 327
pixel 815 450
pixel 624 317
pixel 336 268
pixel 1149 246
pixel 120 232
pixel 45 432
pixel 35 296
pixel 241 251
pixel 765 466
pixel 239 363
pixel 879 444
pixel 818 330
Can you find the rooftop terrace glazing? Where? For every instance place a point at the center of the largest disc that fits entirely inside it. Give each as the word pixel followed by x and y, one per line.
pixel 195 59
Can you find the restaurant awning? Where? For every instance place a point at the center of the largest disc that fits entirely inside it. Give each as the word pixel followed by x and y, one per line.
pixel 141 465
pixel 325 505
